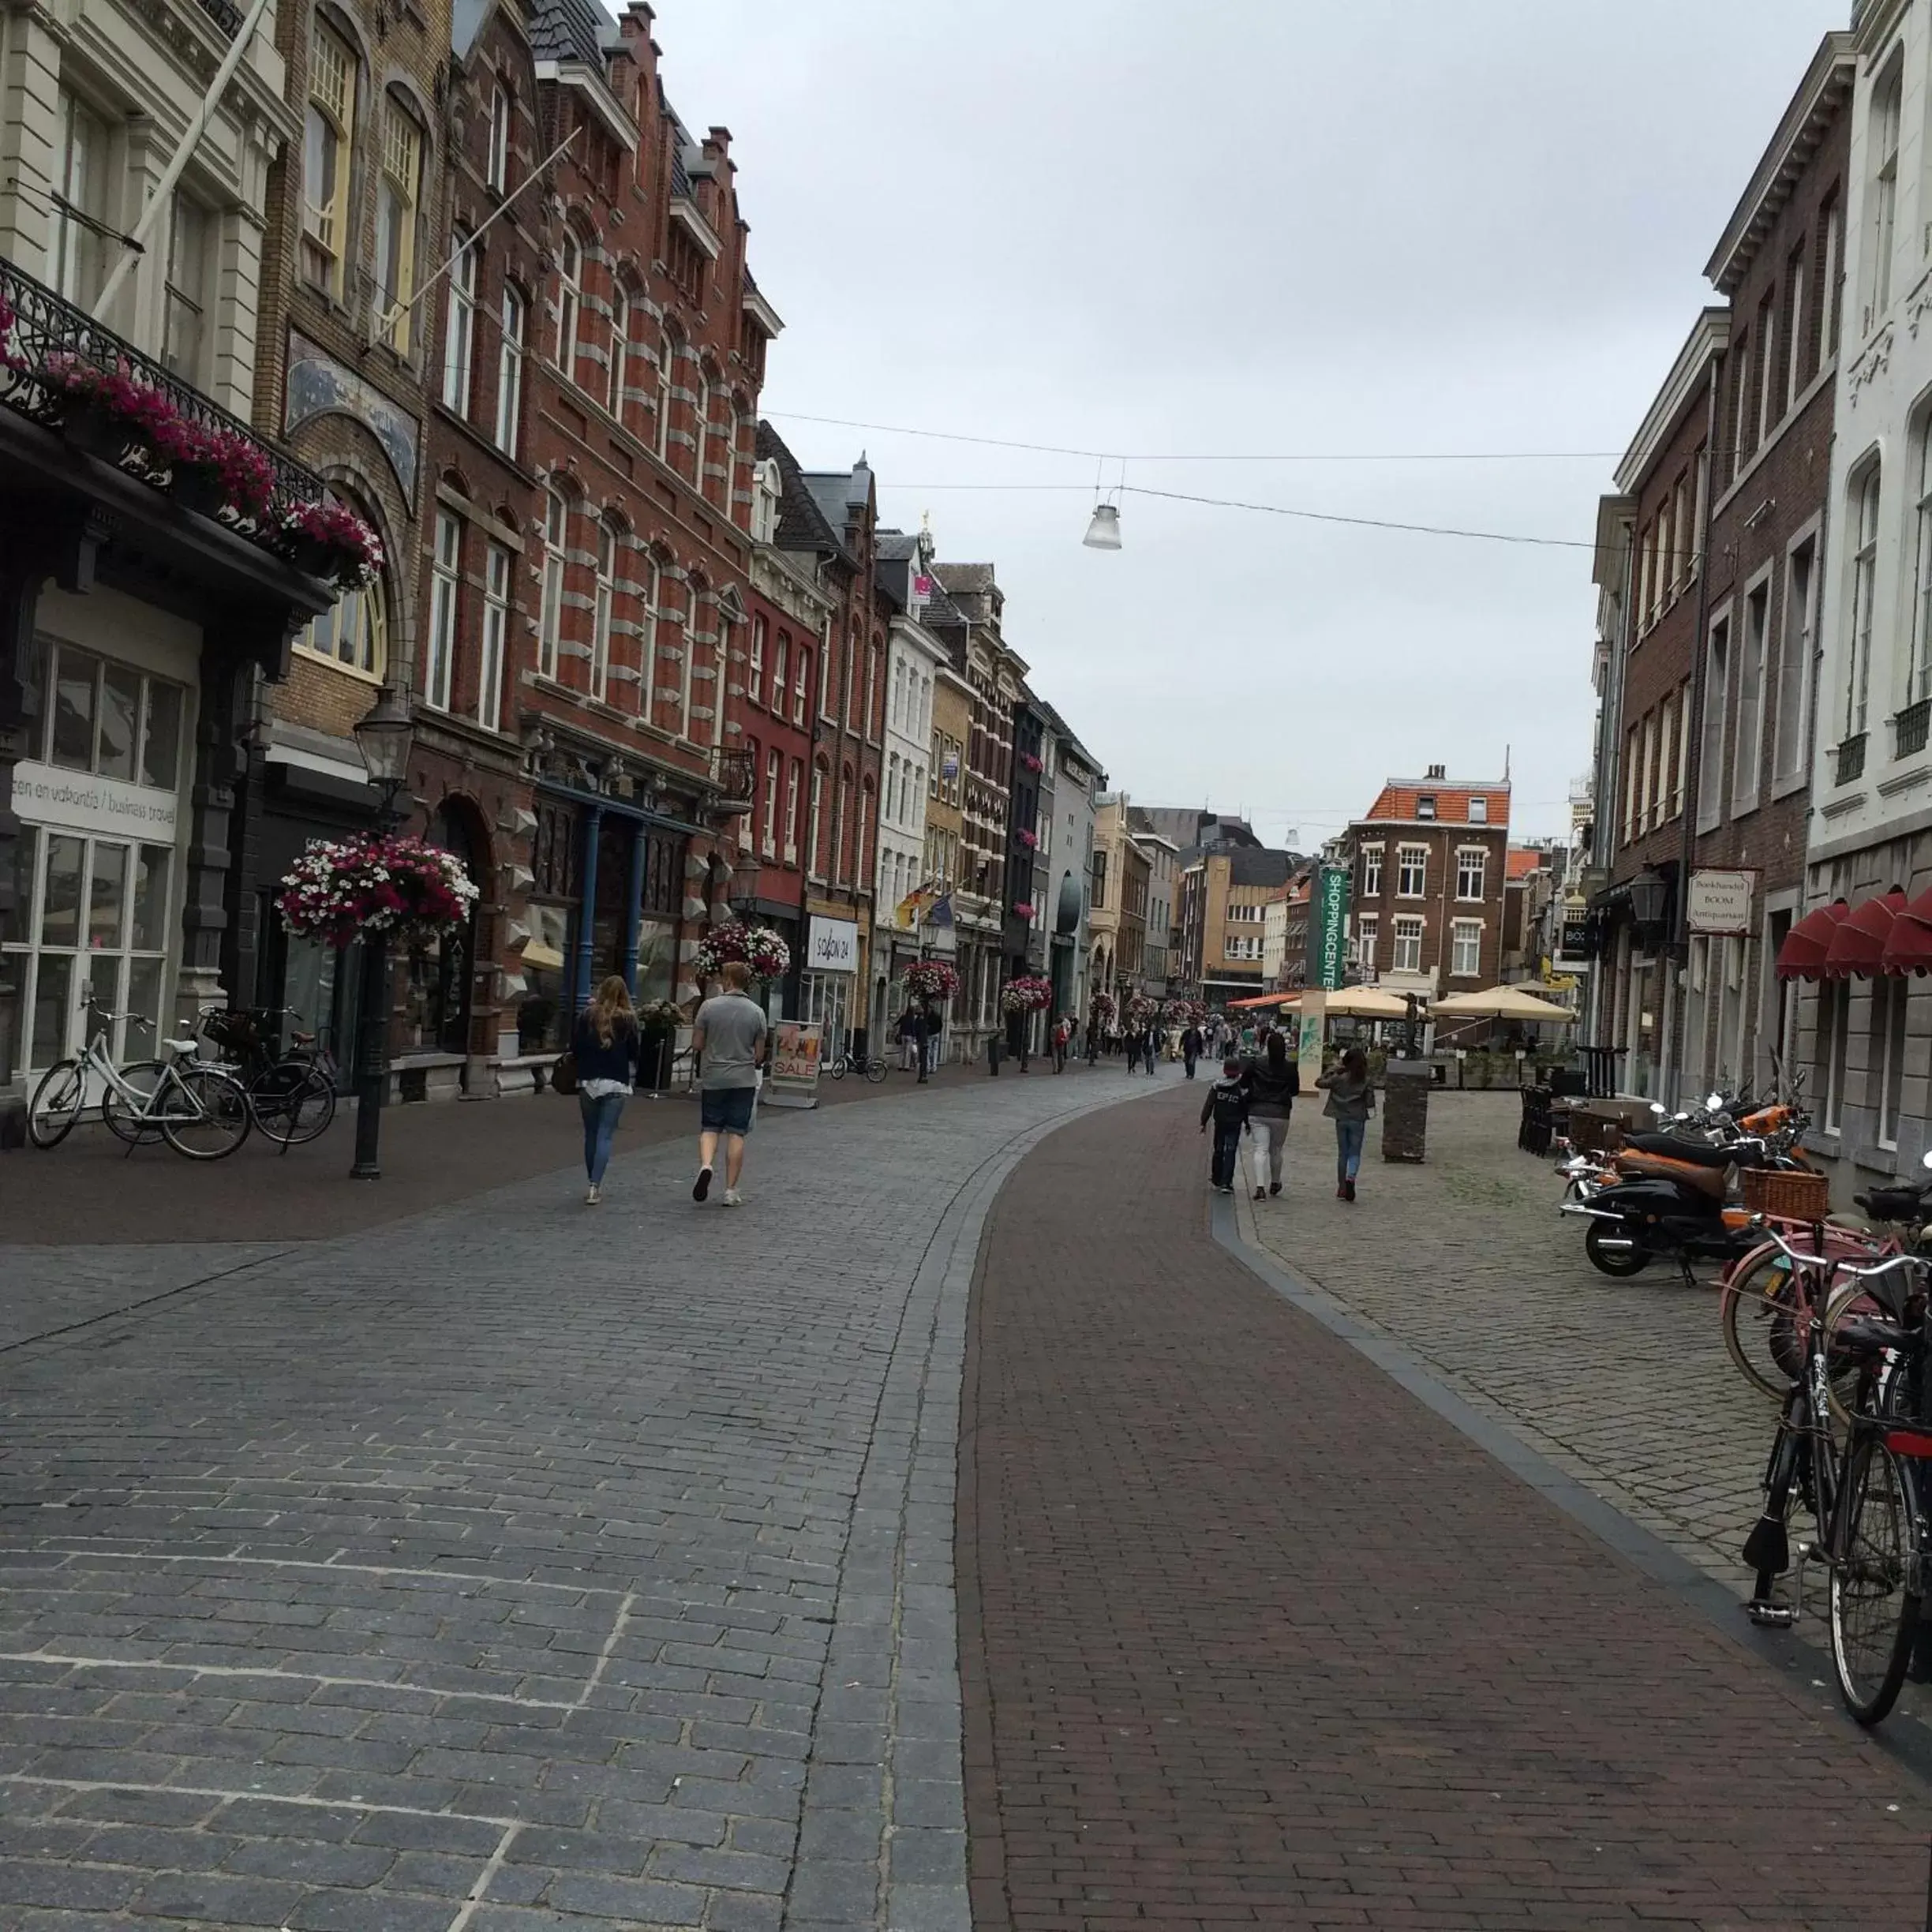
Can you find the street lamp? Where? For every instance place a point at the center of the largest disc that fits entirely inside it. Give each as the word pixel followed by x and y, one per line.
pixel 1104 533
pixel 384 738
pixel 1647 897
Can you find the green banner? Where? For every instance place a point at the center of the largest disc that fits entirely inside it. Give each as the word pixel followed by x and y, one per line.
pixel 1329 930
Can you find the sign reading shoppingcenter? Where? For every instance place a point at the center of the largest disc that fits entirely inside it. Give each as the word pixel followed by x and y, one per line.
pixel 80 802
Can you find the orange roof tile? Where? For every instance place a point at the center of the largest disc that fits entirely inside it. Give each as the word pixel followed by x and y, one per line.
pixel 1397 800
pixel 1523 860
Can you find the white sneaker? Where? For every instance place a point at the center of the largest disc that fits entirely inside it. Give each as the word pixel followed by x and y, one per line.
pixel 733 1198
pixel 593 1196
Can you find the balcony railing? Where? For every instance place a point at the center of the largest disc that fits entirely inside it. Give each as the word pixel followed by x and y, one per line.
pixel 42 333
pixel 1852 759
pixel 227 17
pixel 736 777
pixel 1909 728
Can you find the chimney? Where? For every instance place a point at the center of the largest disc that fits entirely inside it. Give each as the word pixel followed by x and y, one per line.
pixel 1438 771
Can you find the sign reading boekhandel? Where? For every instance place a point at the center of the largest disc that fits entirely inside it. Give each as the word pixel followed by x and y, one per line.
pixel 793 1080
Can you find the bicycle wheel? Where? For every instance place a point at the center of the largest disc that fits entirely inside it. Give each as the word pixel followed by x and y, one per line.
pixel 56 1103
pixel 1875 1603
pixel 837 1070
pixel 1762 1317
pixel 294 1103
pixel 875 1070
pixel 125 1120
pixel 205 1112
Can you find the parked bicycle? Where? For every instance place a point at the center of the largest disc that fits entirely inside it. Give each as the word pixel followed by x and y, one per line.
pixel 292 1091
pixel 871 1065
pixel 201 1111
pixel 1861 1487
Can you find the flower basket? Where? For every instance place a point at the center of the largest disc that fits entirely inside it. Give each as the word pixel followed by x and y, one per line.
pixel 1029 840
pixel 1026 995
pixel 659 1016
pixel 930 980
pixel 1023 909
pixel 1183 1013
pixel 1140 1011
pixel 1103 1006
pixel 11 356
pixel 326 540
pixel 211 470
pixel 756 948
pixel 339 889
pixel 105 412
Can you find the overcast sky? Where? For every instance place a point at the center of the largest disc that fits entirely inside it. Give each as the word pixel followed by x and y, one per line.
pixel 1255 230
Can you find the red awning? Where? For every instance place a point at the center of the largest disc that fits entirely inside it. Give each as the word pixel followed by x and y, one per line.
pixel 1857 941
pixel 1802 955
pixel 1909 945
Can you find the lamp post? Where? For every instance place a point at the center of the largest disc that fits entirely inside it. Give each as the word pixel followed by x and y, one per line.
pixel 384 738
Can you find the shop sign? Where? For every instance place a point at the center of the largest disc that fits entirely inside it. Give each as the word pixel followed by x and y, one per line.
pixel 1331 929
pixel 1576 943
pixel 80 802
pixel 832 945
pixel 1720 902
pixel 793 1079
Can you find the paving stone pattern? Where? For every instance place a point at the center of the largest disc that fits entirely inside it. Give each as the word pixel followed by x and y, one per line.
pixel 518 1566
pixel 1252 1637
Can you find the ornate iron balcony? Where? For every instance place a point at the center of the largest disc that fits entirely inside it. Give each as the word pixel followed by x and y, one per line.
pixel 1909 728
pixel 227 17
pixel 42 335
pixel 736 778
pixel 1852 759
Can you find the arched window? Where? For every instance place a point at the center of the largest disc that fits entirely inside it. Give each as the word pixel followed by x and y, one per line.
pixel 570 301
pixel 606 595
pixel 354 630
pixel 510 372
pixel 647 667
pixel 328 135
pixel 496 156
pixel 550 614
pixel 460 328
pixel 774 766
pixel 667 365
pixel 620 350
pixel 445 590
pixel 398 195
pixel 792 811
pixel 496 637
pixel 801 681
pixel 781 648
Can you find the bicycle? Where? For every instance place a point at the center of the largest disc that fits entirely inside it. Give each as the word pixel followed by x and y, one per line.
pixel 201 1111
pixel 871 1065
pixel 1863 1494
pixel 292 1094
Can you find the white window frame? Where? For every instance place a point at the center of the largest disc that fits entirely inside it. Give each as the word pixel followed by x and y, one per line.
pixel 445 595
pixel 1371 871
pixel 496 149
pixel 325 227
pixel 184 326
pixel 791 807
pixel 620 350
pixel 603 601
pixel 1465 940
pixel 550 611
pixel 1754 653
pixel 1717 659
pixel 1881 221
pixel 755 661
pixel 1368 931
pixel 1829 289
pixel 495 636
pixel 1794 326
pixel 1477 808
pixel 1867 489
pixel 647 678
pixel 510 372
pixel 1409 928
pixel 1412 861
pixel 1790 750
pixel 570 303
pixel 1472 861
pixel 459 329
pixel 774 770
pixel 398 204
pixel 667 360
pixel 1919 667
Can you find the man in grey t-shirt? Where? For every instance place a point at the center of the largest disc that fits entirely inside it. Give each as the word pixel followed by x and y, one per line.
pixel 729 1036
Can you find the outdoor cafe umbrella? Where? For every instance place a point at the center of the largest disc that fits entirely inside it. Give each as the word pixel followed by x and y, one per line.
pixel 1502 1002
pixel 1366 1003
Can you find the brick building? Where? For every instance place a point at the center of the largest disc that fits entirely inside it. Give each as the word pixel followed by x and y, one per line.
pixel 1222 895
pixel 1427 866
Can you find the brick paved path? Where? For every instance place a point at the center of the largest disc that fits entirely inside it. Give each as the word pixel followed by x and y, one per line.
pixel 515 1567
pixel 1249 1636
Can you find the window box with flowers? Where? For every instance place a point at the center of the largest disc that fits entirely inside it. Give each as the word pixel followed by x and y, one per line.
pixel 328 541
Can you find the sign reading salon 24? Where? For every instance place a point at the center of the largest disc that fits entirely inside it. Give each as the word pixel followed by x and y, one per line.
pixel 832 945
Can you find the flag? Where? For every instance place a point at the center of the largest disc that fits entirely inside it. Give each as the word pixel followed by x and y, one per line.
pixel 906 913
pixel 940 913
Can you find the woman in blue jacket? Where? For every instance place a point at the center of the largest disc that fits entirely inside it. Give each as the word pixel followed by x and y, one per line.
pixel 605 1044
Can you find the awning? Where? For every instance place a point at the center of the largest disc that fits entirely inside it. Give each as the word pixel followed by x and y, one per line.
pixel 1909 945
pixel 1802 955
pixel 1858 943
pixel 1266 999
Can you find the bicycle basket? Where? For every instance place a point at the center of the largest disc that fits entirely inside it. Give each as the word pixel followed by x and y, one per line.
pixel 235 1031
pixel 1792 1196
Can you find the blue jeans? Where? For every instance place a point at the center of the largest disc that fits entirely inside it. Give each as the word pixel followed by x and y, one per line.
pixel 1349 1137
pixel 600 1119
pixel 1226 1155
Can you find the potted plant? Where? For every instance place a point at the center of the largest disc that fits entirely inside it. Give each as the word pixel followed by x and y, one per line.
pixel 658 1021
pixel 758 949
pixel 340 888
pixel 105 413
pixel 211 470
pixel 329 541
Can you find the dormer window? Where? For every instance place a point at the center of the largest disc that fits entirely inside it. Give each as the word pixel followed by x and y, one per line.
pixel 1479 810
pixel 765 491
pixel 1425 805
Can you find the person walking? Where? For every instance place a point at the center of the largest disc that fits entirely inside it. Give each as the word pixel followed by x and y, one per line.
pixel 906 1033
pixel 1062 1032
pixel 1192 1046
pixel 1153 1049
pixel 920 1019
pixel 1226 1107
pixel 605 1043
pixel 731 1036
pixel 1351 1100
pixel 1273 1084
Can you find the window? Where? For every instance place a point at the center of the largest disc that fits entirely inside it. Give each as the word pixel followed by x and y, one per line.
pixel 647 664
pixel 446 586
pixel 1650 784
pixel 1371 871
pixel 842 815
pixel 354 631
pixel 1367 926
pixel 1750 751
pixel 688 641
pixel 1744 417
pixel 818 824
pixel 186 298
pixel 1797 325
pixel 1886 1077
pixel 570 302
pixel 1683 750
pixel 828 697
pixel 1472 864
pixel 327 137
pixel 1099 881
pixel 702 425
pixel 1882 216
pixel 1479 808
pixel 892 787
pixel 605 594
pixel 1919 673
pixel 496 154
pixel 667 362
pixel 754 667
pixel 550 613
pixel 1831 282
pixel 1425 805
pixel 459 329
pixel 1834 1022
pixel 781 650
pixel 774 767
pixel 1864 589
pixel 1408 945
pixel 1769 389
pixel 792 806
pixel 397 195
pixel 619 352
pixel 510 372
pixel 1465 949
pixel 1789 748
pixel 1666 725
pixel 1411 871
pixel 800 679
pixel 1716 697
pixel 496 638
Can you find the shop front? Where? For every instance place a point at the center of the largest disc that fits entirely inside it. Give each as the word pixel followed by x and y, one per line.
pixel 829 983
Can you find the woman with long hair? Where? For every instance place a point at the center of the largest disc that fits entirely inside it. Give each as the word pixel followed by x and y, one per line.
pixel 1351 1100
pixel 605 1042
pixel 1275 1081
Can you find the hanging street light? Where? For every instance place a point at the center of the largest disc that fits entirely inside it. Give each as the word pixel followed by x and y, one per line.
pixel 1104 533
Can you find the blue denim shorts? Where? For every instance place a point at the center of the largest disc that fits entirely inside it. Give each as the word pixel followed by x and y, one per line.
pixel 726 1109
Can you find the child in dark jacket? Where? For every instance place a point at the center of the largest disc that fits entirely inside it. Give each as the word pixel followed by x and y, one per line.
pixel 1227 1105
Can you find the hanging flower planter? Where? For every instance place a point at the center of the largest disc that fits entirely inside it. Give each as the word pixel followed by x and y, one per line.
pixel 1025 994
pixel 325 539
pixel 1140 1011
pixel 106 413
pixel 1029 762
pixel 1023 908
pixel 1027 839
pixel 930 980
pixel 756 948
pixel 1102 1004
pixel 1183 1013
pixel 339 889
